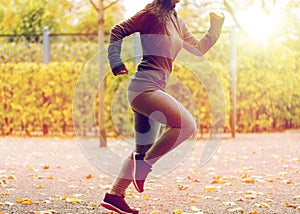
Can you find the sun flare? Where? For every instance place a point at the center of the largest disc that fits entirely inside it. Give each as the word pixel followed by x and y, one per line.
pixel 259 25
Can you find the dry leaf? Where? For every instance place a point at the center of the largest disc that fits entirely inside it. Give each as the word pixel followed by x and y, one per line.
pixel 89 176
pixel 178 211
pixel 237 210
pixel 228 203
pixel 286 182
pixel 262 205
pixel 40 186
pixel 245 175
pixel 146 197
pixel 294 206
pixel 195 209
pixel 249 181
pixel 253 212
pixel 183 187
pixel 210 189
pixel 218 181
pixel 27 202
pixel 46 167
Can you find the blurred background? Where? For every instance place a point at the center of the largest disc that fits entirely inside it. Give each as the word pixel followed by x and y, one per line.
pixel 45 45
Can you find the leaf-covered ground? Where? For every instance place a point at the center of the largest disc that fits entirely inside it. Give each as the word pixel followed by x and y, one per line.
pixel 254 173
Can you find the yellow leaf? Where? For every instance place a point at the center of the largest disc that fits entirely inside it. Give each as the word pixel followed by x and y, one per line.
pixel 31 168
pixel 228 203
pixel 210 189
pixel 27 202
pixel 193 201
pixel 178 211
pixel 245 175
pixel 40 186
pixel 262 205
pixel 270 180
pixel 19 200
pixel 146 198
pixel 50 177
pixel 249 181
pixel 269 200
pixel 200 196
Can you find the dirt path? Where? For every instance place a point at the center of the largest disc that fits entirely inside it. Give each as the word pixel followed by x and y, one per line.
pixel 254 172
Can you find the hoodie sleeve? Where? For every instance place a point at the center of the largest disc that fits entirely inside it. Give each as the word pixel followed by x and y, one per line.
pixel 201 46
pixel 118 32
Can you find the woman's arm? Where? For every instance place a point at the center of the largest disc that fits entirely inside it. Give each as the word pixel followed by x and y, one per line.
pixel 200 47
pixel 118 32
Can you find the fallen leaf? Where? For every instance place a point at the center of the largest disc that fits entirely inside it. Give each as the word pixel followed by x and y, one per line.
pixel 237 210
pixel 19 200
pixel 253 212
pixel 294 206
pixel 89 176
pixel 262 205
pixel 228 203
pixel 183 187
pixel 286 182
pixel 177 211
pixel 269 200
pixel 195 209
pixel 40 186
pixel 27 202
pixel 270 180
pixel 218 181
pixel 12 177
pixel 73 200
pixel 46 167
pixel 245 175
pixel 146 197
pixel 210 189
pixel 249 180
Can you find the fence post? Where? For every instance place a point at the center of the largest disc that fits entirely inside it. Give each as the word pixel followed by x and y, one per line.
pixel 137 48
pixel 233 79
pixel 46 45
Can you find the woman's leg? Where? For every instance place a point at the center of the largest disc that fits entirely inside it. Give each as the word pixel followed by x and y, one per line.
pixel 163 108
pixel 145 131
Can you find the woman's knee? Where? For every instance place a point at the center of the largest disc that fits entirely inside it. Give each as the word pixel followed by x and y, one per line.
pixel 190 127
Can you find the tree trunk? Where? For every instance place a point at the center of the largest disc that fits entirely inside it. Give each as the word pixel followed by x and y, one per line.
pixel 102 136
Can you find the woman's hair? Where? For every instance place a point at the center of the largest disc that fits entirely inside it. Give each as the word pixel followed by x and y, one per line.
pixel 160 8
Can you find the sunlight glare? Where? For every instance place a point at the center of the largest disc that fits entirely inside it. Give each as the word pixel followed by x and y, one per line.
pixel 258 25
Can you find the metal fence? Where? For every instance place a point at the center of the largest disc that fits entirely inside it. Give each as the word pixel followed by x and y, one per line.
pixel 46 47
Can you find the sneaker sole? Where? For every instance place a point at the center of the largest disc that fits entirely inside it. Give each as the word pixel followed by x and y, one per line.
pixel 112 208
pixel 133 169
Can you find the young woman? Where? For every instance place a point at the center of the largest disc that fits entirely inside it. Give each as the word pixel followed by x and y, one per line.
pixel 163 35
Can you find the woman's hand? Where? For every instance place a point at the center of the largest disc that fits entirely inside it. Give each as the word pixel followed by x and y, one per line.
pixel 216 15
pixel 122 72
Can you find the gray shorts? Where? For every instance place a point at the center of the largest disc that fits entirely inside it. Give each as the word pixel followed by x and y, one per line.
pixel 149 80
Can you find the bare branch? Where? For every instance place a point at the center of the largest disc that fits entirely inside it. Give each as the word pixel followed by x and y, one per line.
pixel 231 11
pixel 111 4
pixel 94 5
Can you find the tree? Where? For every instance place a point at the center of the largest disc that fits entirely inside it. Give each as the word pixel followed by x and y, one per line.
pixel 101 9
pixel 30 16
